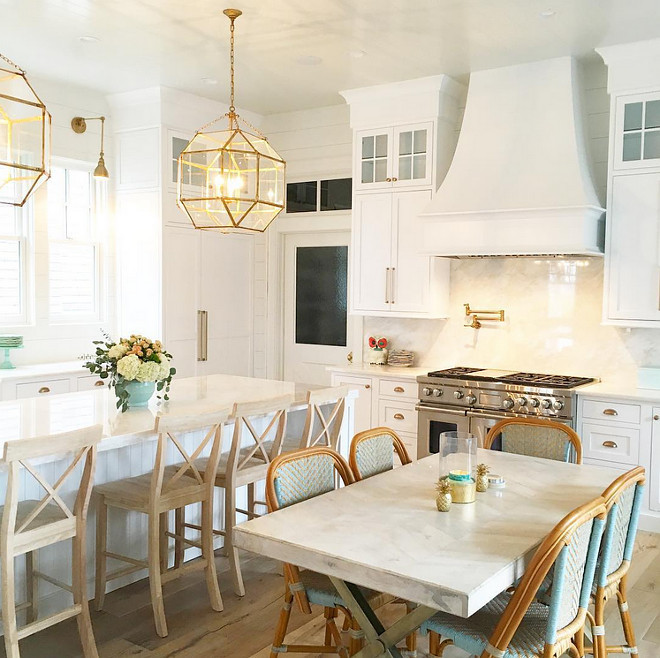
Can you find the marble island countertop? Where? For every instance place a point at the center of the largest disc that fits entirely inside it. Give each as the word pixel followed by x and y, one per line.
pixel 46 415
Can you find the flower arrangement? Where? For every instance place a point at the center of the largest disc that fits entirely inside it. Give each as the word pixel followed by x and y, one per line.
pixel 133 359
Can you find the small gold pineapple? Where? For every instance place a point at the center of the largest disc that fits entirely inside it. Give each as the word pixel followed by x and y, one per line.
pixel 482 477
pixel 443 499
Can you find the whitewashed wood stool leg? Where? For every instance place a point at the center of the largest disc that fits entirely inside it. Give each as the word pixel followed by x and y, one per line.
pixel 232 551
pixel 101 548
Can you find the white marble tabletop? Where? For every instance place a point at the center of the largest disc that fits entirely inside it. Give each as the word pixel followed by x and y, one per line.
pixel 51 414
pixel 385 532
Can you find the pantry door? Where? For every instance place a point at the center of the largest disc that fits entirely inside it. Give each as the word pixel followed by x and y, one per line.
pixel 318 331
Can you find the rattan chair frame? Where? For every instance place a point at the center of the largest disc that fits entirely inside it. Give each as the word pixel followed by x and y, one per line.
pixel 55 527
pixel 571 435
pixel 293 585
pixel 397 444
pixel 526 592
pixel 616 583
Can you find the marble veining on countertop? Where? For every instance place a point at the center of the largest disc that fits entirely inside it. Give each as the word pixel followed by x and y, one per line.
pixel 620 389
pixel 391 372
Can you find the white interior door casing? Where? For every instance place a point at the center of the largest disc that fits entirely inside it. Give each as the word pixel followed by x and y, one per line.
pixel 307 363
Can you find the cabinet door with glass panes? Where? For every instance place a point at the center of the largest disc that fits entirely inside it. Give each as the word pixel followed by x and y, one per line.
pixel 400 156
pixel 637 131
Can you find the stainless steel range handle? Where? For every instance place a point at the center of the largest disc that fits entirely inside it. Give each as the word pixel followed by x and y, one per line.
pixel 440 410
pixel 202 335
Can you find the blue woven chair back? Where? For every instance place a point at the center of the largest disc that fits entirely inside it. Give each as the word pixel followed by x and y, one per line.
pixel 303 478
pixel 374 455
pixel 537 441
pixel 620 532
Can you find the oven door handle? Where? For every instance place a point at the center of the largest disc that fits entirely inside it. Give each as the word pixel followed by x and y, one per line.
pixel 441 410
pixel 491 414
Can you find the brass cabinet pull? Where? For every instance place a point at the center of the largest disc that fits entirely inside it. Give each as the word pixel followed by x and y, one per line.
pixel 387 285
pixel 656 417
pixel 399 389
pixel 392 284
pixel 367 385
pixel 202 335
pixel 99 383
pixel 388 180
pixel 610 444
pixel 394 180
pixel 44 389
pixel 610 412
pixel 399 416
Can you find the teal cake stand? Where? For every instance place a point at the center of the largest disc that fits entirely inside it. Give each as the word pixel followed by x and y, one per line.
pixel 7 364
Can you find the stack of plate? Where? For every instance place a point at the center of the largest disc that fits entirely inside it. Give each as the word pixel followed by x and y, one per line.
pixel 10 341
pixel 401 358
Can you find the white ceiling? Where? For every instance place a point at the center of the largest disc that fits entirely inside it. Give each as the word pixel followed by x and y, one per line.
pixel 176 43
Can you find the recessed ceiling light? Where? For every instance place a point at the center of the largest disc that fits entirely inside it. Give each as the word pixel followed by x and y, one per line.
pixel 209 81
pixel 357 54
pixel 308 60
pixel 547 13
pixel 87 38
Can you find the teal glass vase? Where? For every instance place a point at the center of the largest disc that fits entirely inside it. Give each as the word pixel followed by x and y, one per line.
pixel 139 393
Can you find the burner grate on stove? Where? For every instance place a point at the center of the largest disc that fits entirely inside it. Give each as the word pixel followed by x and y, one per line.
pixel 454 372
pixel 546 381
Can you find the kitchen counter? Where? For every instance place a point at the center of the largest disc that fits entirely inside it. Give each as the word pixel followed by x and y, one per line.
pixel 396 372
pixel 615 389
pixel 39 370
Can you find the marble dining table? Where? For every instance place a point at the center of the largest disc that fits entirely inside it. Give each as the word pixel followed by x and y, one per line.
pixel 386 534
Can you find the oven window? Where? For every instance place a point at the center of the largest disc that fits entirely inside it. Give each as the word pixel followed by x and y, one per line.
pixel 436 428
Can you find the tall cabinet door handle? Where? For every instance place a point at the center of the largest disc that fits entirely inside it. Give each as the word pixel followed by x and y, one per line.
pixel 387 285
pixel 202 335
pixel 392 284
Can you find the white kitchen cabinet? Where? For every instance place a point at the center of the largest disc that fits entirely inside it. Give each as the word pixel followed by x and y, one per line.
pixel 389 277
pixel 44 387
pixel 654 471
pixel 632 293
pixel 363 403
pixel 90 383
pixel 636 131
pixel 394 157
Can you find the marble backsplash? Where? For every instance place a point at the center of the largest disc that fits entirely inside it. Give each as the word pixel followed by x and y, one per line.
pixel 553 322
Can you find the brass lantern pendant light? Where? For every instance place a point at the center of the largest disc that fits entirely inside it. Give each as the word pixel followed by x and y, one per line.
pixel 24 136
pixel 231 179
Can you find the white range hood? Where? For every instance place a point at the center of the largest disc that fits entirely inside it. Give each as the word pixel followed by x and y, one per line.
pixel 519 183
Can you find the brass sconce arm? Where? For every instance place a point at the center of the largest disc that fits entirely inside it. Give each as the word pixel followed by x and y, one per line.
pixel 79 126
pixel 477 317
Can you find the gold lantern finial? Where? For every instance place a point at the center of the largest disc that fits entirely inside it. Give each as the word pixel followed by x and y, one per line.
pixel 231 179
pixel 24 136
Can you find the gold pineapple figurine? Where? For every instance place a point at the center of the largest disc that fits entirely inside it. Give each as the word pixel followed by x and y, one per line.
pixel 482 477
pixel 443 499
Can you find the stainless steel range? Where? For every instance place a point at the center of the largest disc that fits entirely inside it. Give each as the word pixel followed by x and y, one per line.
pixel 474 399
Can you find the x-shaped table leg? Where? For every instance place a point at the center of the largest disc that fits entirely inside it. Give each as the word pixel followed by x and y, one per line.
pixel 379 640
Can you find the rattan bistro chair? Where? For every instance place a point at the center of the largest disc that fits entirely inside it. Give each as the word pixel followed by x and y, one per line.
pixel 372 452
pixel 292 478
pixel 536 437
pixel 516 625
pixel 623 499
pixel 29 525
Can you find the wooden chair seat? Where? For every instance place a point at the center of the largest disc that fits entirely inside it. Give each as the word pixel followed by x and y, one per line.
pixel 50 514
pixel 255 469
pixel 133 493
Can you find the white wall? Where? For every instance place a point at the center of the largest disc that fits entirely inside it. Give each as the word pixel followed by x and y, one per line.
pixel 45 342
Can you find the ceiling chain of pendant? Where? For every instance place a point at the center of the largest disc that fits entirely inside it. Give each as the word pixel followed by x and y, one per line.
pixel 16 66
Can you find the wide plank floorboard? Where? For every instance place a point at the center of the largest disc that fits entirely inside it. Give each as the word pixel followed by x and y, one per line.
pixel 245 628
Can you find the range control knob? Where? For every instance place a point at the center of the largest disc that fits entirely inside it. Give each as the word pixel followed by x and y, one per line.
pixel 458 394
pixel 521 402
pixel 426 391
pixel 558 405
pixel 437 392
pixel 546 404
pixel 534 402
pixel 508 403
pixel 471 399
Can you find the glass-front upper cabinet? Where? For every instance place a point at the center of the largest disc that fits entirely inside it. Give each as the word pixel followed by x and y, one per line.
pixel 394 157
pixel 637 142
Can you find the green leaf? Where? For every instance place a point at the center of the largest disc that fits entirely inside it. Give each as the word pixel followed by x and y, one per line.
pixel 172 371
pixel 103 375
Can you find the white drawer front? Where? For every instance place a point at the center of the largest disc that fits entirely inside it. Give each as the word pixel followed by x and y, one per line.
pixel 91 382
pixel 609 443
pixel 48 387
pixel 399 416
pixel 612 411
pixel 396 388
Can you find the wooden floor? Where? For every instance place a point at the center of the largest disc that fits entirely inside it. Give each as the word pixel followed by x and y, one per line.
pixel 244 629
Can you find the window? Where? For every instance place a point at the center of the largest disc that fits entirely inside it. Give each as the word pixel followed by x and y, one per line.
pixel 74 198
pixel 323 195
pixel 13 270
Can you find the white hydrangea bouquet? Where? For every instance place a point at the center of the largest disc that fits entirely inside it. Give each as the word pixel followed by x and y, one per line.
pixel 129 364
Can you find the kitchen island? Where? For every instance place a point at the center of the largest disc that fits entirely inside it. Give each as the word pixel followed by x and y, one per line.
pixel 128 449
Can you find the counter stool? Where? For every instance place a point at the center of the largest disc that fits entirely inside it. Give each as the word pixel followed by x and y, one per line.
pixel 29 525
pixel 156 493
pixel 246 463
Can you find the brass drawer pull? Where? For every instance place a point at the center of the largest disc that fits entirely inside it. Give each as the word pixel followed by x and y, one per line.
pixel 610 412
pixel 399 416
pixel 399 389
pixel 367 385
pixel 610 444
pixel 44 389
pixel 99 383
pixel 656 417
